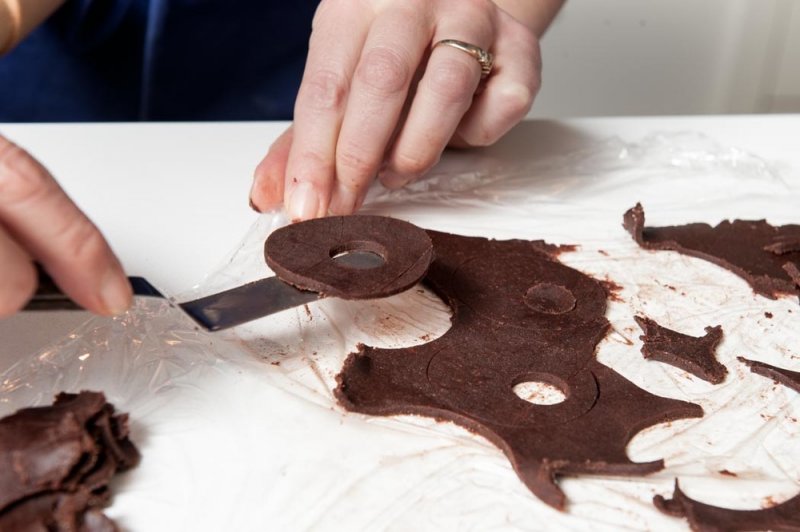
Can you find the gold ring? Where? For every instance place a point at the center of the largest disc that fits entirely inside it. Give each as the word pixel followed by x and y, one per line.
pixel 484 58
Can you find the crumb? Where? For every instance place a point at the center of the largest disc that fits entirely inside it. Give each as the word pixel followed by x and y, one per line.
pixel 768 315
pixel 727 473
pixel 612 289
pixel 603 252
pixel 276 363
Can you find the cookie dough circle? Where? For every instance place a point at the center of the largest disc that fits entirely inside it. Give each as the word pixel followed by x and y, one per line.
pixel 304 255
pixel 549 298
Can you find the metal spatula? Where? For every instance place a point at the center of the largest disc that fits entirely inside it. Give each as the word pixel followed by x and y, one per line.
pixel 354 257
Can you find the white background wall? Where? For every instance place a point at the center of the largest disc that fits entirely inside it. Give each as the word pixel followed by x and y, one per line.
pixel 650 57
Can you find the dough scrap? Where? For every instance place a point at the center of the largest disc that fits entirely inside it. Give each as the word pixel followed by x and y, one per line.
pixel 788 378
pixel 765 256
pixel 706 518
pixel 56 463
pixel 689 353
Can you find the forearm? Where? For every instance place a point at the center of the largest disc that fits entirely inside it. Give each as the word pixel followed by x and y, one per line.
pixel 19 17
pixel 536 14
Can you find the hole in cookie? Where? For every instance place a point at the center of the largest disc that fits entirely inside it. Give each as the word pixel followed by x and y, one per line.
pixel 359 255
pixel 549 298
pixel 539 393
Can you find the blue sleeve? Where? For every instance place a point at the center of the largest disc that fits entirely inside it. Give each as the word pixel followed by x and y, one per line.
pixel 124 60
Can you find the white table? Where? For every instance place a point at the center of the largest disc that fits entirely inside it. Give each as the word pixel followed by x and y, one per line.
pixel 172 199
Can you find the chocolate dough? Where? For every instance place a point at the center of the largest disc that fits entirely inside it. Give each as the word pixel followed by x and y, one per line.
pixel 519 316
pixel 690 353
pixel 780 375
pixel 56 463
pixel 765 256
pixel 706 518
pixel 304 255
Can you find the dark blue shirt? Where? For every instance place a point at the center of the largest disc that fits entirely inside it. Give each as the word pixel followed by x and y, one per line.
pixel 125 60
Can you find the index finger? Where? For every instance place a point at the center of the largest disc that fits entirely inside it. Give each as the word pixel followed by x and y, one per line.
pixel 42 219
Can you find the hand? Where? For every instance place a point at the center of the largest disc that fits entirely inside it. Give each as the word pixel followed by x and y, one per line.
pixel 38 222
pixel 376 99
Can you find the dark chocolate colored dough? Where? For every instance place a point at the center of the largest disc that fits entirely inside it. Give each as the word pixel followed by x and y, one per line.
pixel 783 376
pixel 702 517
pixel 519 315
pixel 690 353
pixel 56 463
pixel 303 255
pixel 765 256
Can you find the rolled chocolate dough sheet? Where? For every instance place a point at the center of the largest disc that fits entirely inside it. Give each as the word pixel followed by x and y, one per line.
pixel 519 315
pixel 765 256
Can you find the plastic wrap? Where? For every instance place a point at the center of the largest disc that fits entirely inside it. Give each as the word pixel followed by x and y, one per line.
pixel 240 430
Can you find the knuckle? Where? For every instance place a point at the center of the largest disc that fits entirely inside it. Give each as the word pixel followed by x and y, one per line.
pixel 410 163
pixel 21 178
pixel 324 90
pixel 357 168
pixel 453 81
pixel 482 13
pixel 385 71
pixel 312 166
pixel 480 136
pixel 82 242
pixel 515 103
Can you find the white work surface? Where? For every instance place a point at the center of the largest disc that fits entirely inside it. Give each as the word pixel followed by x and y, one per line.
pixel 245 444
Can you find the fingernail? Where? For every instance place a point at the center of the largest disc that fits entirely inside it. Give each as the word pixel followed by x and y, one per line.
pixel 253 206
pixel 116 292
pixel 304 202
pixel 393 180
pixel 267 200
pixel 344 201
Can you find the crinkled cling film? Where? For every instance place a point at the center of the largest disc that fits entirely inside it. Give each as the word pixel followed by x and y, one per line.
pixel 244 424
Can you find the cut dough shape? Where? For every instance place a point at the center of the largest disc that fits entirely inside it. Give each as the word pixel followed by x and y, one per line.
pixel 689 353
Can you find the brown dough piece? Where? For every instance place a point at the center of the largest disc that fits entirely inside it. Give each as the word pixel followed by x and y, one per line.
pixel 763 255
pixel 303 254
pixel 786 377
pixel 519 315
pixel 689 353
pixel 706 518
pixel 56 463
